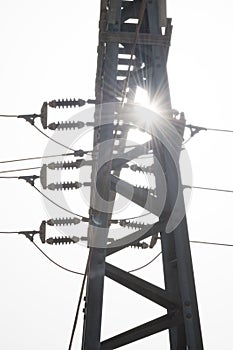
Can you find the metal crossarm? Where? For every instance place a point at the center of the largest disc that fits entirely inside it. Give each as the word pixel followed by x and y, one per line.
pixel 140 197
pixel 134 237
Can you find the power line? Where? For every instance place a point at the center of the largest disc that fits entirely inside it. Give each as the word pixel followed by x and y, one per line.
pixel 187 125
pixel 59 206
pixel 32 158
pixel 136 217
pixel 41 157
pixel 24 169
pixel 213 243
pixel 50 138
pixel 83 274
pixel 130 271
pixel 8 116
pixel 8 232
pixel 194 129
pixel 9 177
pixel 219 130
pixel 147 264
pixel 186 141
pixel 191 241
pixel 65 209
pixel 55 263
pixel 208 188
pixel 75 214
pixel 80 299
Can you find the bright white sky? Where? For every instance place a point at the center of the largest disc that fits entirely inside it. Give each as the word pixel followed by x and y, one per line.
pixel 48 50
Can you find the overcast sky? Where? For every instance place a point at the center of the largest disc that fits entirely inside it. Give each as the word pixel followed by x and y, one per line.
pixel 48 50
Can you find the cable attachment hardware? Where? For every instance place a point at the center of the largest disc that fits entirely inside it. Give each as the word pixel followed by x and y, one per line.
pixel 154 240
pixel 195 129
pixel 67 103
pixel 30 118
pixel 42 231
pixel 62 240
pixel 63 221
pixel 80 153
pixel 44 115
pixel 131 224
pixel 144 169
pixel 43 176
pixel 142 245
pixel 30 179
pixel 30 234
pixel 64 186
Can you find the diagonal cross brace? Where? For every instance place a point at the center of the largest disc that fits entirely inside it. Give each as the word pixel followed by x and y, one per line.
pixel 144 288
pixel 155 326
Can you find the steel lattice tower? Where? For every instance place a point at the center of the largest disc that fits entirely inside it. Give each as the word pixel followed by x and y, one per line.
pixel 130 34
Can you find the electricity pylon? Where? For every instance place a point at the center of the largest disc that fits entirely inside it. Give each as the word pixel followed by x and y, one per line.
pixel 136 35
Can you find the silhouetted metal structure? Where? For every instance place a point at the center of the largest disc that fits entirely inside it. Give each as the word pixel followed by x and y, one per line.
pixel 136 35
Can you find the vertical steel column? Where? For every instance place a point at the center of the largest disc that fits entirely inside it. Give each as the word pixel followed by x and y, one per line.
pixel 178 269
pixel 182 263
pixel 158 85
pixel 100 191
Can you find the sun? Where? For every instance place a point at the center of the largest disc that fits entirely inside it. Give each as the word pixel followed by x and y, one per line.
pixel 141 97
pixel 143 100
